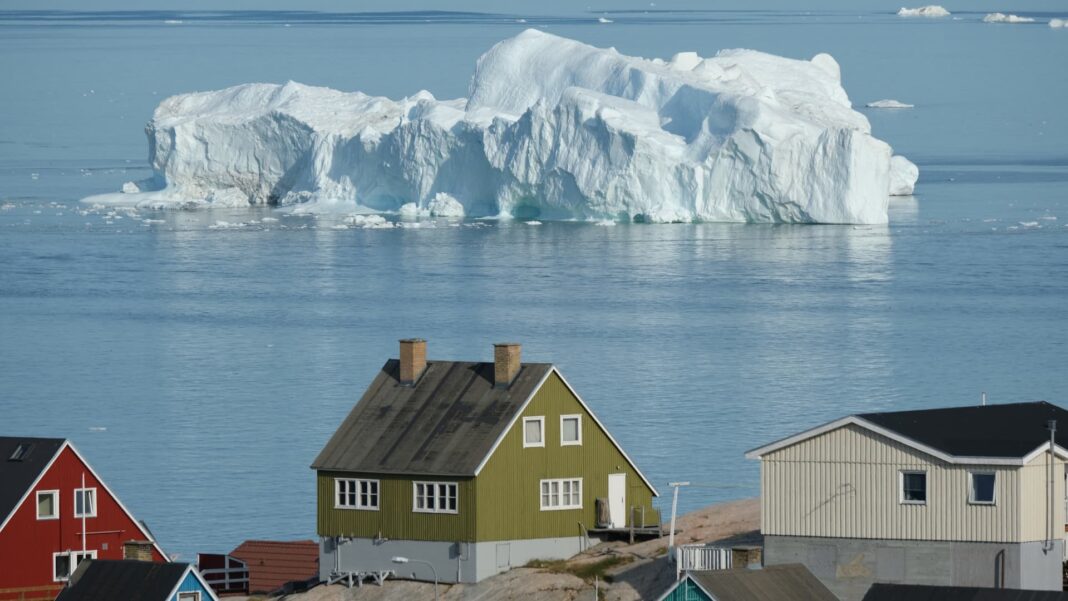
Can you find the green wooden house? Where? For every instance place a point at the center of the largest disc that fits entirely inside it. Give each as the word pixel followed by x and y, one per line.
pixel 467 469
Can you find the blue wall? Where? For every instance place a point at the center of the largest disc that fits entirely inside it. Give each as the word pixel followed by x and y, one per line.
pixel 685 590
pixel 190 584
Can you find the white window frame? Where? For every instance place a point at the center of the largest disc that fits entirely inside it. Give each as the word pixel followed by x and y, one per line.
pixel 55 505
pixel 901 487
pixel 541 424
pixel 573 482
pixel 437 496
pixel 572 443
pixel 189 596
pixel 89 554
pixel 971 487
pixel 357 483
pixel 94 496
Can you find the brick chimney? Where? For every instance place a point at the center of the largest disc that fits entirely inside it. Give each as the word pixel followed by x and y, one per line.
pixel 412 360
pixel 505 363
pixel 137 549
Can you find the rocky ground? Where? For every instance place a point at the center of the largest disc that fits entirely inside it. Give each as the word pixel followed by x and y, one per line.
pixel 613 571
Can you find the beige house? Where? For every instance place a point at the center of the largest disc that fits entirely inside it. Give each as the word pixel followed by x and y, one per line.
pixel 967 496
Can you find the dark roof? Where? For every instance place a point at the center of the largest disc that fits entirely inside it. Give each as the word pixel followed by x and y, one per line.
pixel 1009 430
pixel 273 564
pixel 17 475
pixel 445 424
pixel 110 579
pixel 916 592
pixel 786 582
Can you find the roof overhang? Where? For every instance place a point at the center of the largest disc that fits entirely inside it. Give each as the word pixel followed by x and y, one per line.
pixel 858 421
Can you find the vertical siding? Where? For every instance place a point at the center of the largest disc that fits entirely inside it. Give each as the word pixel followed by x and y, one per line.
pixel 1034 482
pixel 190 585
pixel 844 483
pixel 395 519
pixel 508 488
pixel 686 590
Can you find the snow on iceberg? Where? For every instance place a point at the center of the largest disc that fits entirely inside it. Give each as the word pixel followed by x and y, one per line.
pixel 553 129
pixel 889 104
pixel 1003 18
pixel 924 11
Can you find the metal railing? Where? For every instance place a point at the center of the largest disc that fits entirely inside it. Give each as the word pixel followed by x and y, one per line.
pixel 702 557
pixel 232 579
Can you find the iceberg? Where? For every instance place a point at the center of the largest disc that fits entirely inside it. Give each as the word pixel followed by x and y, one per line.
pixel 903 176
pixel 1058 23
pixel 889 104
pixel 1003 18
pixel 924 11
pixel 552 129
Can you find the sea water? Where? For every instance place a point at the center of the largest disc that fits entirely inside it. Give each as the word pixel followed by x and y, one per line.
pixel 200 360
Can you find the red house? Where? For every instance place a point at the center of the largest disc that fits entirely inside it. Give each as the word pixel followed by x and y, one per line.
pixel 55 511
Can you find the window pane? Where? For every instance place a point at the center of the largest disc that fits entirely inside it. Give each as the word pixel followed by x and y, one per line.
pixel 90 502
pixel 915 487
pixel 570 429
pixel 62 566
pixel 533 432
pixel 79 502
pixel 983 488
pixel 46 506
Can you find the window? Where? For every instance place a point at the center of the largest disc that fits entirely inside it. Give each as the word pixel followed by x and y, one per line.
pixel 570 430
pixel 22 451
pixel 85 502
pixel 534 431
pixel 193 596
pixel 434 497
pixel 914 488
pixel 64 564
pixel 561 494
pixel 48 504
pixel 982 488
pixel 356 494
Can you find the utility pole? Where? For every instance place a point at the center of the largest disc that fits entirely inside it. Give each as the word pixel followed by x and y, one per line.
pixel 674 508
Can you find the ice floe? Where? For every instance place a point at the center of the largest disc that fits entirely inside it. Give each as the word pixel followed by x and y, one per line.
pixel 924 11
pixel 1003 18
pixel 1059 23
pixel 552 129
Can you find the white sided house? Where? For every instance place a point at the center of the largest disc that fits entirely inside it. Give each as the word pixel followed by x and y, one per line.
pixel 965 496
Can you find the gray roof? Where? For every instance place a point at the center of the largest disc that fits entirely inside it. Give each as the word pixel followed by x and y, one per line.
pixel 445 424
pixel 787 582
pixel 129 580
pixel 16 476
pixel 914 592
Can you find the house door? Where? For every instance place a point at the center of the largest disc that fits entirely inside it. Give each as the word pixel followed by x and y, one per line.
pixel 617 500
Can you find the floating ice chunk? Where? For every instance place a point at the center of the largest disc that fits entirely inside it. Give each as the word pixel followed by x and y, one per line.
pixel 130 188
pixel 444 205
pixel 1003 18
pixel 903 176
pixel 173 21
pixel 1048 218
pixel 553 129
pixel 1029 224
pixel 269 219
pixel 532 222
pixel 924 11
pixel 1059 23
pixel 604 20
pixel 226 225
pixel 604 223
pixel 98 428
pixel 7 206
pixel 889 104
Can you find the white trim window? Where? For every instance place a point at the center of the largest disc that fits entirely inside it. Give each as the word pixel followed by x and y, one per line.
pixel 561 493
pixel 435 497
pixel 354 493
pixel 65 562
pixel 913 487
pixel 570 430
pixel 534 431
pixel 48 504
pixel 85 502
pixel 982 487
pixel 189 596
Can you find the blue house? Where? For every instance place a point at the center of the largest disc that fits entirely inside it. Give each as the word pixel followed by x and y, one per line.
pixel 130 580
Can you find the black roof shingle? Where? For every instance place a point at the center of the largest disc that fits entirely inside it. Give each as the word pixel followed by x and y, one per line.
pixel 1006 430
pixel 445 424
pixel 19 471
pixel 126 579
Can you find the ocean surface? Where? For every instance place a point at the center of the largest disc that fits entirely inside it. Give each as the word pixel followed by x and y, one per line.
pixel 201 368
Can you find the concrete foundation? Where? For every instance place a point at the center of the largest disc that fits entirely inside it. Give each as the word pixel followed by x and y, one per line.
pixel 452 561
pixel 849 566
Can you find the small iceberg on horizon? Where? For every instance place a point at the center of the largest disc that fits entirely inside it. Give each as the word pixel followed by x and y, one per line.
pixel 889 104
pixel 1059 23
pixel 932 10
pixel 1003 18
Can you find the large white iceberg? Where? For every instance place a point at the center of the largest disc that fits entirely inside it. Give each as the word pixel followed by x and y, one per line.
pixel 553 128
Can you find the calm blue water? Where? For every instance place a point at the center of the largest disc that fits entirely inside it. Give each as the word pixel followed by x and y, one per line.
pixel 201 370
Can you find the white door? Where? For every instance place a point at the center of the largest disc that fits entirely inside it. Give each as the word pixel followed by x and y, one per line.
pixel 617 500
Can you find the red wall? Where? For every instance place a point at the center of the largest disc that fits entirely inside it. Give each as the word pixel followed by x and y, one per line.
pixel 27 544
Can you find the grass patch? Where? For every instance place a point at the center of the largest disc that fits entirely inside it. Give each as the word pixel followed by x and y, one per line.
pixel 585 570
